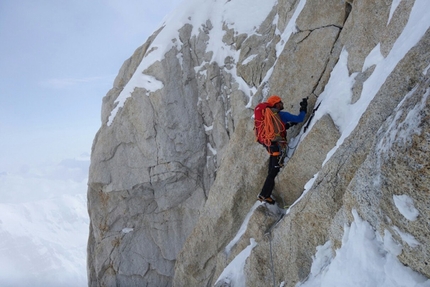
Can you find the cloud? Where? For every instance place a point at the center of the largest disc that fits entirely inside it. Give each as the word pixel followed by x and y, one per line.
pixel 37 182
pixel 44 242
pixel 69 82
pixel 44 224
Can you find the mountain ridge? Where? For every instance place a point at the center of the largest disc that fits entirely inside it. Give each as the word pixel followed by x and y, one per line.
pixel 178 164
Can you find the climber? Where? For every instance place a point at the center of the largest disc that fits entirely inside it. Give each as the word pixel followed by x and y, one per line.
pixel 274 137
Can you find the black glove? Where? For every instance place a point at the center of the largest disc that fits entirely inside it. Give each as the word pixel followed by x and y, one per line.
pixel 289 125
pixel 304 105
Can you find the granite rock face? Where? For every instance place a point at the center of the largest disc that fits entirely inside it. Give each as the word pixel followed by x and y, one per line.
pixel 175 173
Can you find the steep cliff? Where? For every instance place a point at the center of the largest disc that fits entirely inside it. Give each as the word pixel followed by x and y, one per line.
pixel 175 169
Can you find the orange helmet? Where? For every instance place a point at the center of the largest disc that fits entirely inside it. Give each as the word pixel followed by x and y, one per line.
pixel 273 100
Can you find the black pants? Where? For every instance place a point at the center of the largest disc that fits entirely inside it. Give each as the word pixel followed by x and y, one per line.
pixel 274 168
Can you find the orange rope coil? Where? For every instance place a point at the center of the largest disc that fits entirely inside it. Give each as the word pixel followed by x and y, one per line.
pixel 269 128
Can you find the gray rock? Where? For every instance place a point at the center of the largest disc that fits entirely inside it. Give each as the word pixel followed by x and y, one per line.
pixel 178 170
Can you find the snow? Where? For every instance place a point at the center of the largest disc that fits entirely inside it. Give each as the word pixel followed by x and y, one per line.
pixel 242 228
pixel 127 230
pixel 249 59
pixel 426 70
pixel 213 151
pixel 406 237
pixel 373 58
pixel 198 13
pixel 365 259
pixel 307 188
pixel 409 125
pixel 336 99
pixel 394 5
pixel 290 29
pixel 51 228
pixel 233 273
pixel 406 207
pixel 208 128
pixel 393 133
pixel 391 245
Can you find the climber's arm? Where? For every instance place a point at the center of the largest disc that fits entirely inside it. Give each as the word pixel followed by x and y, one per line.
pixel 287 117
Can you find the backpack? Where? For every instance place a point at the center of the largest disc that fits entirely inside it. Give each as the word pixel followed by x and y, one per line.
pixel 268 125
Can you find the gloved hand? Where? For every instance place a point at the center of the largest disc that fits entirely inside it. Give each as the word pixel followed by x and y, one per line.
pixel 304 105
pixel 289 125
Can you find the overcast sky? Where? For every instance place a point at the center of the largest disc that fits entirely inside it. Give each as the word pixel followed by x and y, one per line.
pixel 57 61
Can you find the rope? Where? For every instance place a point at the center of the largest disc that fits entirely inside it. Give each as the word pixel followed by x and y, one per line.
pixel 269 127
pixel 271 254
pixel 271 260
pixel 294 147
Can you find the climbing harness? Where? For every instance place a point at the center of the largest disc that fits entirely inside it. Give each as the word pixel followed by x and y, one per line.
pixel 282 154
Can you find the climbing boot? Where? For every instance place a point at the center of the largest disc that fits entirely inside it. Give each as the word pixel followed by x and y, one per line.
pixel 269 200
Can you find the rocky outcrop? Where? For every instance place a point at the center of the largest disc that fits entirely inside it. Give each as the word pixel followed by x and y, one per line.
pixel 174 175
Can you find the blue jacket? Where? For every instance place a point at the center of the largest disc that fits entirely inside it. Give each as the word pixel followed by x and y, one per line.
pixel 287 117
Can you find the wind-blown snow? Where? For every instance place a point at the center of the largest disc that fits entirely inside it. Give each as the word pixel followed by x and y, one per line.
pixel 365 259
pixel 213 151
pixel 336 98
pixel 127 230
pixel 249 59
pixel 234 273
pixel 290 29
pixel 198 13
pixel 347 115
pixel 400 132
pixel 406 207
pixel 406 237
pixel 307 187
pixel 373 58
pixel 426 70
pixel 242 228
pixel 393 8
pixel 394 132
pixel 390 245
pixel 208 128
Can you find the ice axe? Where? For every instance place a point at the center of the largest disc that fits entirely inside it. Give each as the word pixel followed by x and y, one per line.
pixel 311 117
